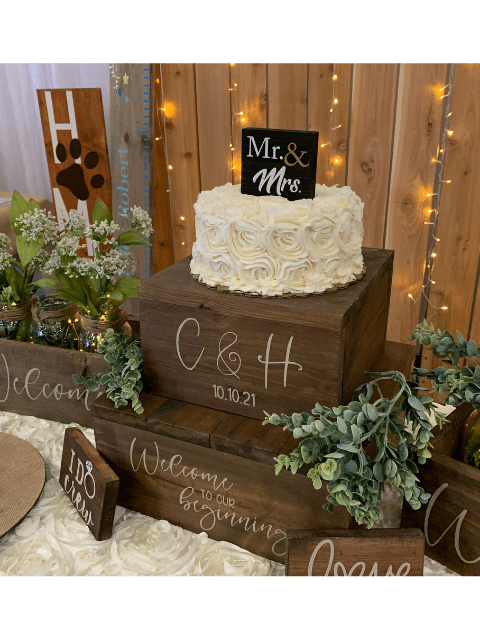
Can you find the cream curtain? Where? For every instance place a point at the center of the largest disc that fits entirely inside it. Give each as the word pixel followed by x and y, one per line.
pixel 23 163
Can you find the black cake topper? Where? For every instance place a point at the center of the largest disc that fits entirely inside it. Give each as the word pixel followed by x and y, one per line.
pixel 279 162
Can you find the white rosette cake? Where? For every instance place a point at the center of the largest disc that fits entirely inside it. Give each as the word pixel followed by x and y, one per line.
pixel 270 246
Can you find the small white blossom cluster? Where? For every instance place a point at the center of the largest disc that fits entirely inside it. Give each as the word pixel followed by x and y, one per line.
pixel 40 260
pixel 99 231
pixel 112 263
pixel 4 240
pixel 5 256
pixel 140 221
pixel 37 225
pixel 76 224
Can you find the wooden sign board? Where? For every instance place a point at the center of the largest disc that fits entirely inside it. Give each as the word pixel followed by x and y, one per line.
pixel 202 469
pixel 76 146
pixel 132 156
pixel 244 355
pixel 374 552
pixel 89 482
pixel 451 519
pixel 36 380
pixel 279 162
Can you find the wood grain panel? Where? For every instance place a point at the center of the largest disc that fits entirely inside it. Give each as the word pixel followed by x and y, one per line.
pixel 132 158
pixel 162 222
pixel 417 135
pixel 332 159
pixel 287 96
pixel 178 82
pixel 370 145
pixel 455 267
pixel 212 83
pixel 249 97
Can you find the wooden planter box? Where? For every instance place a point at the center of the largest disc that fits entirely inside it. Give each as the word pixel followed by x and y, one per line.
pixel 245 354
pixel 451 520
pixel 208 470
pixel 36 380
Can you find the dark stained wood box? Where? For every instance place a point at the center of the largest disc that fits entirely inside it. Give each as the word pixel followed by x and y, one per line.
pixel 36 380
pixel 209 470
pixel 246 354
pixel 451 520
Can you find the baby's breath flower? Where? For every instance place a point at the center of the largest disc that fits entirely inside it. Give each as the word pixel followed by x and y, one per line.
pixel 5 258
pixel 37 225
pixel 40 259
pixel 112 263
pixel 99 231
pixel 140 221
pixel 76 224
pixel 4 240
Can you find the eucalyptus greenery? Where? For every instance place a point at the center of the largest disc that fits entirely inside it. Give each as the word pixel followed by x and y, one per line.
pixel 124 380
pixel 334 444
pixel 461 383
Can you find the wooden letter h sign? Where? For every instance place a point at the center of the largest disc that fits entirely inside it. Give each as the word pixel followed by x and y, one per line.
pixel 77 154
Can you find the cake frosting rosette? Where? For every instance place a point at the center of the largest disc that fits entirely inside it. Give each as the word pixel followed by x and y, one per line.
pixel 271 246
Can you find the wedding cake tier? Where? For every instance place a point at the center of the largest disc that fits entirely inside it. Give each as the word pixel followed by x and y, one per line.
pixel 270 246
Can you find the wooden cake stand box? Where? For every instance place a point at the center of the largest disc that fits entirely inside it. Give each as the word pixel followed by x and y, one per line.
pixel 211 471
pixel 245 354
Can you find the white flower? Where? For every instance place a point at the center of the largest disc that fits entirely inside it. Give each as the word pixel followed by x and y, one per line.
pixel 76 224
pixel 5 258
pixel 112 263
pixel 99 231
pixel 4 240
pixel 37 225
pixel 141 221
pixel 40 259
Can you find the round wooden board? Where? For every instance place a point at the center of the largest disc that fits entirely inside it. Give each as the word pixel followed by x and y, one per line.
pixel 22 476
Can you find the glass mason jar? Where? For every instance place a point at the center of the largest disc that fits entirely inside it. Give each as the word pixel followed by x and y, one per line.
pixel 54 322
pixel 92 331
pixel 15 320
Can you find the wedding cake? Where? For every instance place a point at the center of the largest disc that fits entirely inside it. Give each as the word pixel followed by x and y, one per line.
pixel 271 246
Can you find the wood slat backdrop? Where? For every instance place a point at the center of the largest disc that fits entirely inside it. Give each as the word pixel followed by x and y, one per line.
pixel 391 118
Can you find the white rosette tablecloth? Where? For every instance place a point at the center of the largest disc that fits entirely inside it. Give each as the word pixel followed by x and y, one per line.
pixel 53 539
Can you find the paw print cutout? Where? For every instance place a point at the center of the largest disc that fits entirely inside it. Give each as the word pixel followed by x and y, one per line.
pixel 73 177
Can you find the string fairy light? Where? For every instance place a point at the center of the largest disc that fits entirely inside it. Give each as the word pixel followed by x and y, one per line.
pixel 433 211
pixel 237 117
pixel 333 160
pixel 168 110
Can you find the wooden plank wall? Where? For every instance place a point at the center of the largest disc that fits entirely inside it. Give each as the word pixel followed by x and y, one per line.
pixel 381 138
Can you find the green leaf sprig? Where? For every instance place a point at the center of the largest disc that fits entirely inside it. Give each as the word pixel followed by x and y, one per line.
pixel 461 383
pixel 124 380
pixel 334 444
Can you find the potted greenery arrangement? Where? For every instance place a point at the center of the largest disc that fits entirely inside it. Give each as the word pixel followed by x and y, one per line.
pixel 357 448
pixel 461 383
pixel 34 229
pixel 93 283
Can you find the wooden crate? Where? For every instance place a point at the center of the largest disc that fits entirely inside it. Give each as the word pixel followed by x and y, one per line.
pixel 36 380
pixel 246 354
pixel 208 470
pixel 451 520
